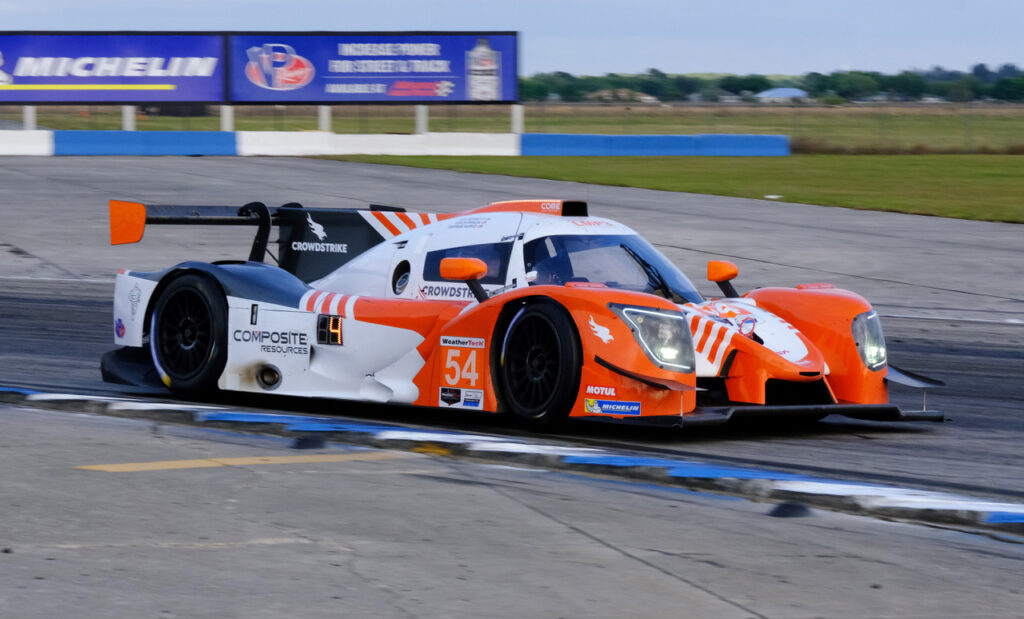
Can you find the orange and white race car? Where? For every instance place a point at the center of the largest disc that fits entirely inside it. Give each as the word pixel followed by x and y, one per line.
pixel 527 307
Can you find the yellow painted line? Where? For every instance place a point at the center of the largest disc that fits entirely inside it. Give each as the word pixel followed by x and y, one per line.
pixel 88 87
pixel 431 449
pixel 168 465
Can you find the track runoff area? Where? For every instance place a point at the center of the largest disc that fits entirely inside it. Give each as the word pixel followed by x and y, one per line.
pixel 780 253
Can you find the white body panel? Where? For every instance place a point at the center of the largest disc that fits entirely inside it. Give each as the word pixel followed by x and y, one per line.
pixel 721 320
pixel 375 363
pixel 131 297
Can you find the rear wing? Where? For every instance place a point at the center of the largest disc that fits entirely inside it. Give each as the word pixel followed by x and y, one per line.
pixel 311 242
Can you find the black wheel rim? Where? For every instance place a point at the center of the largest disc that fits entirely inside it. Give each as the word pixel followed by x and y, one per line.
pixel 184 334
pixel 532 360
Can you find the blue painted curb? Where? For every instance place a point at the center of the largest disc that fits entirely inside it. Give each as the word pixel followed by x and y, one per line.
pixel 144 143
pixel 702 145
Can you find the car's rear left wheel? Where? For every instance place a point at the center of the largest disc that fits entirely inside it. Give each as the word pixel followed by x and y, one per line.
pixel 188 335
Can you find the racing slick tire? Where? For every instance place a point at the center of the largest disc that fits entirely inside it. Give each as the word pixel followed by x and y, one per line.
pixel 188 335
pixel 539 366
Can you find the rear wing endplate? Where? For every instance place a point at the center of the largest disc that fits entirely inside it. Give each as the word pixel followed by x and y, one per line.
pixel 128 220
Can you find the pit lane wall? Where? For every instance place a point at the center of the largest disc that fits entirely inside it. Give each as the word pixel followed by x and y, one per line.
pixel 302 143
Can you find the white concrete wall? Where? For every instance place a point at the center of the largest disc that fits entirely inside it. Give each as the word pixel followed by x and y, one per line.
pixel 298 143
pixel 321 143
pixel 26 143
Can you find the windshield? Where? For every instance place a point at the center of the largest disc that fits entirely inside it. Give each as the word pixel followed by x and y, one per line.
pixel 618 261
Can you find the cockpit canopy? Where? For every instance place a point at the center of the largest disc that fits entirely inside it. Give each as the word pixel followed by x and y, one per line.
pixel 624 261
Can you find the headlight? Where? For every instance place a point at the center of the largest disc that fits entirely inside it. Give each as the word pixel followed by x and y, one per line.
pixel 867 335
pixel 663 335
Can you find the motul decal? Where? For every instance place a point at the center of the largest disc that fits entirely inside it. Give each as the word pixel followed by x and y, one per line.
pixel 596 390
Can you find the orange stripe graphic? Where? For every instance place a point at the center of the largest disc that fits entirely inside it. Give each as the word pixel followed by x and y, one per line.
pixel 382 218
pixel 718 342
pixel 704 339
pixel 325 303
pixel 407 221
pixel 312 300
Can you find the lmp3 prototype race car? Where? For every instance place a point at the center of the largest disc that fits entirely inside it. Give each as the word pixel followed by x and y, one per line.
pixel 527 307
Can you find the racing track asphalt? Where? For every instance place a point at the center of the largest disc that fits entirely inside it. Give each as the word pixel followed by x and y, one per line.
pixel 925 276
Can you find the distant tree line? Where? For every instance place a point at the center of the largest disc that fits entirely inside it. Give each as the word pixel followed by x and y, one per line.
pixel 1003 84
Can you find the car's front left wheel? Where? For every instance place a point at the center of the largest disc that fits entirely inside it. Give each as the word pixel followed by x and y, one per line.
pixel 539 366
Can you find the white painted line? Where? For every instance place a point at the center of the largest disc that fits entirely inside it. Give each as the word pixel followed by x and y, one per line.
pixel 958 504
pixel 525 448
pixel 1005 321
pixel 889 496
pixel 440 437
pixel 63 280
pixel 154 406
pixel 58 397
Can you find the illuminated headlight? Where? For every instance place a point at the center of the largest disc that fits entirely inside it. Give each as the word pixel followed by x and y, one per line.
pixel 662 334
pixel 867 335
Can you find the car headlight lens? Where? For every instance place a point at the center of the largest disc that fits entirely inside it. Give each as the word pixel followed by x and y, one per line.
pixel 867 335
pixel 663 335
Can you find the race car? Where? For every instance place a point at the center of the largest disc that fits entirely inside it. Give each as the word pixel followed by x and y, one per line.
pixel 529 307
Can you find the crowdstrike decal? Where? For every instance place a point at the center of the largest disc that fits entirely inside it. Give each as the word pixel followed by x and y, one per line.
pixel 318 231
pixel 325 248
pixel 315 228
pixel 602 332
pixel 276 66
pixel 446 292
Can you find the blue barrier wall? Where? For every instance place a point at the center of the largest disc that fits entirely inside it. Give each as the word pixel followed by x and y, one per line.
pixel 144 143
pixel 706 145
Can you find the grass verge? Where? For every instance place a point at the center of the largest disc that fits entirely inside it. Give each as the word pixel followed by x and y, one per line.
pixel 982 187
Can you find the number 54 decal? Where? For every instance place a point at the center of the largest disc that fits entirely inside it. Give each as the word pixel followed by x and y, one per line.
pixel 460 367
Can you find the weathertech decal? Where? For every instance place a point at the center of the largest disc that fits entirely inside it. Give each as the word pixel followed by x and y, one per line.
pixel 611 407
pixel 462 342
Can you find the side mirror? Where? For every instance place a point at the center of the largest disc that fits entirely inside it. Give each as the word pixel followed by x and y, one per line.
pixel 469 270
pixel 721 272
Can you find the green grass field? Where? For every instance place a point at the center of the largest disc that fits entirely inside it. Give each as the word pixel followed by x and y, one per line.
pixel 984 187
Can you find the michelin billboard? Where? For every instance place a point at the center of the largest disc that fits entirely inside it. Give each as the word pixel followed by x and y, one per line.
pixel 265 67
pixel 111 68
pixel 381 67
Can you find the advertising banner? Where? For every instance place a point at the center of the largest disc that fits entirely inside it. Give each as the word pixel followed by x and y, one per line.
pixel 352 68
pixel 111 68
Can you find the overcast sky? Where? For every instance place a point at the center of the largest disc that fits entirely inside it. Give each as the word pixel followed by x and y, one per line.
pixel 593 37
